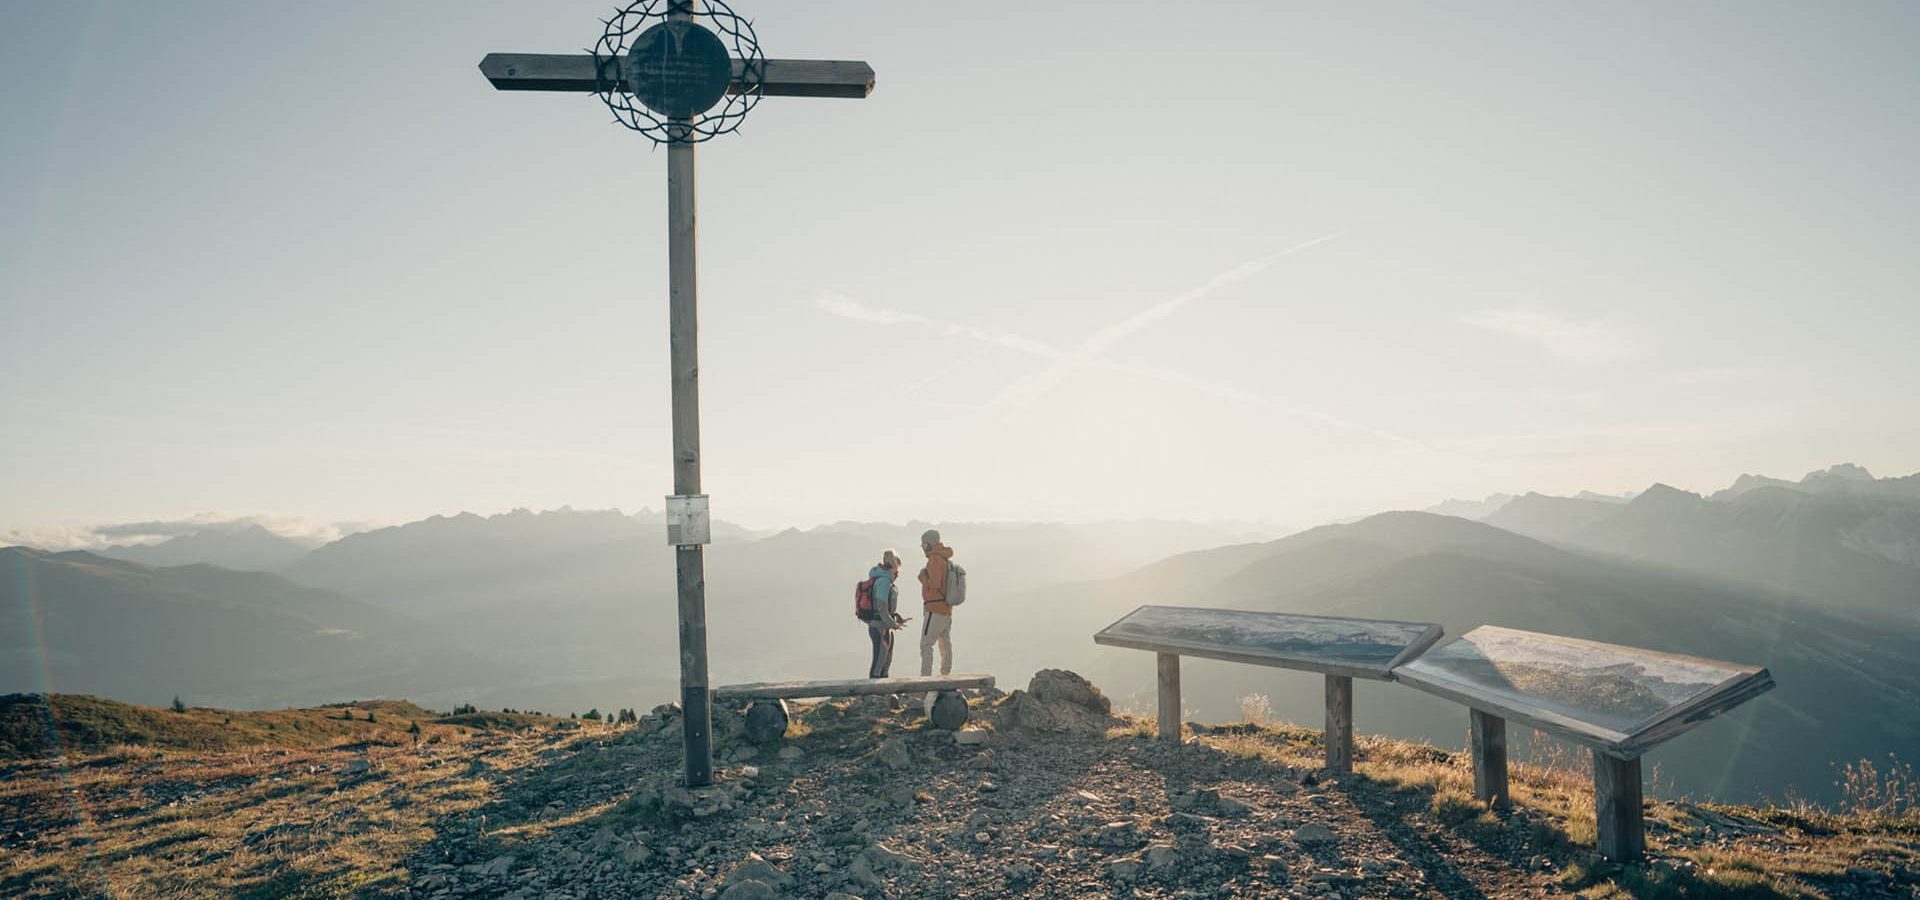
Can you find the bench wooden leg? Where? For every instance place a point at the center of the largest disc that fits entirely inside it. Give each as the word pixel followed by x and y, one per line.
pixel 766 721
pixel 949 711
pixel 1339 723
pixel 1170 696
pixel 1489 738
pixel 1616 796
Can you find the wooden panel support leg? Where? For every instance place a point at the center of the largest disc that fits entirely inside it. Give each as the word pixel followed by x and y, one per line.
pixel 1339 723
pixel 1616 795
pixel 1170 696
pixel 1489 739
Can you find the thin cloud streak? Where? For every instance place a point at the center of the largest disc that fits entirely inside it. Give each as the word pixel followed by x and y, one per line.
pixel 1022 392
pixel 1589 342
pixel 1043 350
pixel 848 308
pixel 1229 392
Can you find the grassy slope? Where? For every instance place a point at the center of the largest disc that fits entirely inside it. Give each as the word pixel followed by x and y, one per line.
pixel 1718 851
pixel 300 820
pixel 95 625
pixel 33 725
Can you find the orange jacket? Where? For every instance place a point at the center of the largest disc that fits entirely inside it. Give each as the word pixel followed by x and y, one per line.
pixel 933 581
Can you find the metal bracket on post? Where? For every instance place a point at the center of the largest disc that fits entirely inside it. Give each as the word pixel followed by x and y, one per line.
pixel 689 523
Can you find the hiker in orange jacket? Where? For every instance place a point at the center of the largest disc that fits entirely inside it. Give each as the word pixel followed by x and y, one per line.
pixel 938 627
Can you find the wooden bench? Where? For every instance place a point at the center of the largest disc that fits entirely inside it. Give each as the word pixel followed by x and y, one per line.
pixel 1341 648
pixel 1617 701
pixel 767 709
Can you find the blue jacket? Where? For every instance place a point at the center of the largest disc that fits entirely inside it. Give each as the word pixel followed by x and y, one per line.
pixel 886 599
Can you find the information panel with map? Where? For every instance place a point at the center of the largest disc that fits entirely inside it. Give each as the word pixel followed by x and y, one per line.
pixel 1620 699
pixel 1363 648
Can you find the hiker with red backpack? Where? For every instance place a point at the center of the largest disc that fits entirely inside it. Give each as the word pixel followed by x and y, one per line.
pixel 876 602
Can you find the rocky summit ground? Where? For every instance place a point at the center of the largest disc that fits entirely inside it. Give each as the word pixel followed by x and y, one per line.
pixel 1045 794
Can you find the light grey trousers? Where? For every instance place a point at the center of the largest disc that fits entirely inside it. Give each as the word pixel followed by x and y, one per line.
pixel 938 630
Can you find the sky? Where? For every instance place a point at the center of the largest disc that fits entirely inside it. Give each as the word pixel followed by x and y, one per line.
pixel 1257 261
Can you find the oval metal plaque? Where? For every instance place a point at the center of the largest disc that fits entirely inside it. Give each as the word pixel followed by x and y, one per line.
pixel 678 69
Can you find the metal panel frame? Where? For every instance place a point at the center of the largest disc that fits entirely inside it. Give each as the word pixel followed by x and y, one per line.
pixel 1382 672
pixel 1749 682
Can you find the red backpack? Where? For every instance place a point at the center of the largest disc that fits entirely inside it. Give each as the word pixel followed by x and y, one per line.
pixel 863 601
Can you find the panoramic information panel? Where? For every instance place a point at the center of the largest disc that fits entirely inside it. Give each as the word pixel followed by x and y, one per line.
pixel 1364 648
pixel 1621 699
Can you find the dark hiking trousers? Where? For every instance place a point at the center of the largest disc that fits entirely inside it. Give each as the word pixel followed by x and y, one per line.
pixel 882 651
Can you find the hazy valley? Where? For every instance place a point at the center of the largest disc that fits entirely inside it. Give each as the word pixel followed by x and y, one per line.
pixel 567 610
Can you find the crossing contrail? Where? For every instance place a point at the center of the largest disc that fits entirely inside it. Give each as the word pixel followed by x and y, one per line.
pixel 1022 392
pixel 1088 355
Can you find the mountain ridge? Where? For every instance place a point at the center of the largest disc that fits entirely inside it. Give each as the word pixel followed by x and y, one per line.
pixel 93 624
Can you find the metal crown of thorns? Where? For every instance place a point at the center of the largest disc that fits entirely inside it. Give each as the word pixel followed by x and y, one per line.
pixel 681 85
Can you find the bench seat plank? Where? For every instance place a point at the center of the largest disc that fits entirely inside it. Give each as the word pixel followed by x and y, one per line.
pixel 849 687
pixel 1331 645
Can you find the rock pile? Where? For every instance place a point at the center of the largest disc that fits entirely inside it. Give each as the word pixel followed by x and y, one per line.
pixel 868 802
pixel 1057 700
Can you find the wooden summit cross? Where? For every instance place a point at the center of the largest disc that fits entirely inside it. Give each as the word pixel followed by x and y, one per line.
pixel 679 70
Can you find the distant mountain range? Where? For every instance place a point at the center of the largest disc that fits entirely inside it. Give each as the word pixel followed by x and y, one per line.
pixel 82 622
pixel 1480 510
pixel 586 600
pixel 1838 534
pixel 572 609
pixel 1816 579
pixel 1463 574
pixel 239 545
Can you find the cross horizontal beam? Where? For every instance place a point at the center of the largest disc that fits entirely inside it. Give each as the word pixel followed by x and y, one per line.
pixel 780 77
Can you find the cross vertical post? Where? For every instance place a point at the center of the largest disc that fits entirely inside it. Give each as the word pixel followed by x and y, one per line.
pixel 665 82
pixel 683 328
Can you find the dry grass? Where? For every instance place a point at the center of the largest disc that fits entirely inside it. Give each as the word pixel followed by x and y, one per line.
pixel 262 821
pixel 1135 727
pixel 1884 791
pixel 266 821
pixel 1777 852
pixel 1256 709
pixel 87 725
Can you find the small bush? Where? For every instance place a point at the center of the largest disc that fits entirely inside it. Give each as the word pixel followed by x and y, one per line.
pixel 1453 808
pixel 1256 709
pixel 1888 790
pixel 1461 812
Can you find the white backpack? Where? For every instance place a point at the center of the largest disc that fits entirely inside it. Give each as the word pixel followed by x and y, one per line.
pixel 956 584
